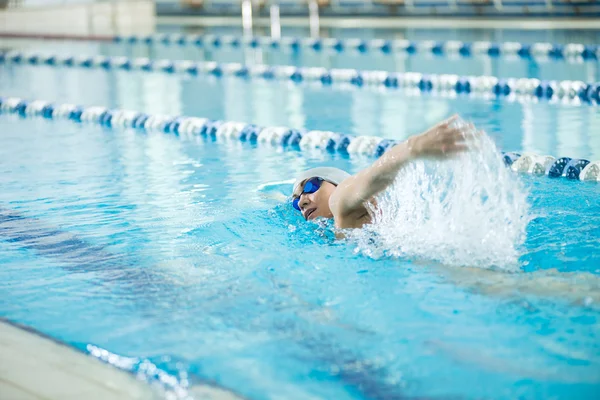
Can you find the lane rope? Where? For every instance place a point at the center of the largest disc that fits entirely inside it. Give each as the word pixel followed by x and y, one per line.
pixel 276 136
pixel 572 52
pixel 486 87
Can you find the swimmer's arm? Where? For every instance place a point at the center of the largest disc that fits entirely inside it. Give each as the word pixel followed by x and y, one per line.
pixel 438 142
pixel 350 196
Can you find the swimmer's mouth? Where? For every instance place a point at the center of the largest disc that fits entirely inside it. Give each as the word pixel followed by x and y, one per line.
pixel 309 213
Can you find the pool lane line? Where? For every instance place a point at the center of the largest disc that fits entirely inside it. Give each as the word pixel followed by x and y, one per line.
pixel 540 51
pixel 277 137
pixel 411 83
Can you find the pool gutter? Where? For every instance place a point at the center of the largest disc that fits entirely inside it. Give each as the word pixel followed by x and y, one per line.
pixel 37 367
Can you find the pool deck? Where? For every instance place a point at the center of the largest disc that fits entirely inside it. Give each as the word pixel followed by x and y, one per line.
pixel 446 22
pixel 34 367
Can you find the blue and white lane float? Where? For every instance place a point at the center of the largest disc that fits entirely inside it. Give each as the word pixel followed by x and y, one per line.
pixel 571 92
pixel 277 137
pixel 572 52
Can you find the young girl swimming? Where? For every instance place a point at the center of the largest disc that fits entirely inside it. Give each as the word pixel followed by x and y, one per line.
pixel 332 193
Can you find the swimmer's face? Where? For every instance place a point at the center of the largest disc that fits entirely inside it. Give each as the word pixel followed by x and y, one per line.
pixel 314 205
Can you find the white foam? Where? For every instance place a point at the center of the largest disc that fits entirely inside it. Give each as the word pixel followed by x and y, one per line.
pixel 467 211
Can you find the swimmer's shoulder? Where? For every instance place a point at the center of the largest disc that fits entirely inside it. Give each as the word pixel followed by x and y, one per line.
pixel 353 221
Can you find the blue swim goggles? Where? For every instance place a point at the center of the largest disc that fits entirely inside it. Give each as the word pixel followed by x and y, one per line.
pixel 311 186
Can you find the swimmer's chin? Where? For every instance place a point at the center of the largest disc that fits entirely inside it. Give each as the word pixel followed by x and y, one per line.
pixel 317 219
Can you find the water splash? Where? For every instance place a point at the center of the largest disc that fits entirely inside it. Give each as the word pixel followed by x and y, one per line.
pixel 466 211
pixel 171 386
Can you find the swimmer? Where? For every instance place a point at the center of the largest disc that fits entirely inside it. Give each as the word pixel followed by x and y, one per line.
pixel 329 192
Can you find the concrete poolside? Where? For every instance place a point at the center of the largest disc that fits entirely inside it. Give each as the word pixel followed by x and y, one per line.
pixel 34 367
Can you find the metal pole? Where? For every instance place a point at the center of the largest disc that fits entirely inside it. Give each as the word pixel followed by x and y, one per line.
pixel 275 22
pixel 113 16
pixel 313 15
pixel 90 18
pixel 247 17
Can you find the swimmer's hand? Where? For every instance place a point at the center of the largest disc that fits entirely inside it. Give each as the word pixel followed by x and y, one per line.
pixel 440 141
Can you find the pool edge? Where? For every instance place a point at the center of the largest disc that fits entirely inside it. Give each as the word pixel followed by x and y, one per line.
pixel 36 366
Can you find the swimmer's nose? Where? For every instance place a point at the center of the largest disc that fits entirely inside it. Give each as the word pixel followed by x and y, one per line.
pixel 304 201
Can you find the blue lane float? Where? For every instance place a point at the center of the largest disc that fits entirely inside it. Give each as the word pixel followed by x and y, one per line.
pixel 570 92
pixel 572 52
pixel 276 137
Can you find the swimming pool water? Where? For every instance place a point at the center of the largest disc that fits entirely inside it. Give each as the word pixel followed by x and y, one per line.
pixel 163 249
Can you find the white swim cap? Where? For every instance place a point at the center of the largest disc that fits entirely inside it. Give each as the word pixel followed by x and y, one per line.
pixel 330 174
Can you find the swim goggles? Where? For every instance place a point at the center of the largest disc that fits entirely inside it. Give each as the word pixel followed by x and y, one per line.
pixel 311 186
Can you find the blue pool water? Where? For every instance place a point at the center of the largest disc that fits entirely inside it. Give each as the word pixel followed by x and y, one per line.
pixel 164 250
